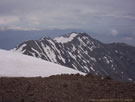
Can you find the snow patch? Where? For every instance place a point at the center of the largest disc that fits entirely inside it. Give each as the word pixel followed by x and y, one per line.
pixel 116 51
pixel 92 68
pixel 81 41
pixel 63 39
pixel 74 67
pixel 50 53
pixel 20 50
pixel 36 51
pixel 93 59
pixel 130 79
pixel 87 69
pixel 107 61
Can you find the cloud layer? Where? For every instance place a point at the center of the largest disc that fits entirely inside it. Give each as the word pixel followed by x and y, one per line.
pixel 113 17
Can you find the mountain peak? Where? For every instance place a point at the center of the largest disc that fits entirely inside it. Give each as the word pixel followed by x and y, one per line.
pixel 81 52
pixel 67 38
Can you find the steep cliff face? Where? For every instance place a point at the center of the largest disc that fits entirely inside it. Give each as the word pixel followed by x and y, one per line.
pixel 81 52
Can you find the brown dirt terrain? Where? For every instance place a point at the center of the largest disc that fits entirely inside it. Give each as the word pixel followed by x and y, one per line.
pixel 65 88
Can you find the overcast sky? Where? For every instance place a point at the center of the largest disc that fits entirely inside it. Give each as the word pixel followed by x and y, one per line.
pixel 114 18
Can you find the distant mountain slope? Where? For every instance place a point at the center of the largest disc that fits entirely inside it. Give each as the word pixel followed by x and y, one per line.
pixel 81 52
pixel 18 65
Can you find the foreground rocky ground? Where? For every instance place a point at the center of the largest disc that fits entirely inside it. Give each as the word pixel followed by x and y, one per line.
pixel 65 88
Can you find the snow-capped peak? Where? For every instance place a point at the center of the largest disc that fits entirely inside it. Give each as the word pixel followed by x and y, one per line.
pixel 65 39
pixel 81 52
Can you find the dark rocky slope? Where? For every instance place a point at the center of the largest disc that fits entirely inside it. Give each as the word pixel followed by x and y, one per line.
pixel 65 88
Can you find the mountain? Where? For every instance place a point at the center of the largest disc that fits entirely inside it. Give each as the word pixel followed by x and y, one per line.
pixel 81 52
pixel 18 65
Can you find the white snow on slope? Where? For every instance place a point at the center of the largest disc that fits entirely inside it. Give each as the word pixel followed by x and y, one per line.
pixel 62 39
pixel 13 64
pixel 20 50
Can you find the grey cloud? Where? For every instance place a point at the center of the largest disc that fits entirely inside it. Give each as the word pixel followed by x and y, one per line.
pixel 99 16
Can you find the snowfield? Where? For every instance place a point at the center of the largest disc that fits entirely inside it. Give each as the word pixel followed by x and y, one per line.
pixel 62 39
pixel 14 64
